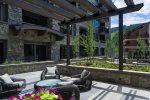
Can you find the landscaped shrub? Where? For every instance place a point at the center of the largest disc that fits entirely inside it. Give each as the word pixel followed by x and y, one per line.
pixel 12 62
pixel 105 64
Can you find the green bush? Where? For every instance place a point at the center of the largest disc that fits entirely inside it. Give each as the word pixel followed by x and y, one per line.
pixel 104 64
pixel 12 62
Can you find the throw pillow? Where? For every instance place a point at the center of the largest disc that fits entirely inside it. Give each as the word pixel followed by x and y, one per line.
pixel 6 78
pixel 50 70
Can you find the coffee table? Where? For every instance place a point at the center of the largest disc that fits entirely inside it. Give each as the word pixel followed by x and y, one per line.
pixel 66 88
pixel 47 83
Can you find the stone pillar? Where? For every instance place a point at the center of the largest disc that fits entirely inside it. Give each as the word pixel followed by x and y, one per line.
pixel 15 48
pixel 55 52
pixel 14 15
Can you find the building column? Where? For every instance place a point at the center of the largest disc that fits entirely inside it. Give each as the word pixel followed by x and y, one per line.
pixel 121 41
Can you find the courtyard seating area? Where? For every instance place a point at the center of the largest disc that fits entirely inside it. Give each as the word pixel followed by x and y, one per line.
pixel 98 91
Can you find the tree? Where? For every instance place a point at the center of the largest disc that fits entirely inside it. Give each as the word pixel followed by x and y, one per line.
pixel 141 48
pixel 109 48
pixel 75 42
pixel 87 41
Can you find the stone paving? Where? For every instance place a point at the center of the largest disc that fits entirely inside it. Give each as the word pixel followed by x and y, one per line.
pixel 99 91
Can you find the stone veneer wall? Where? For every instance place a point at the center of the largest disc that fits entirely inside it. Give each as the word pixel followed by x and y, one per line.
pixel 25 67
pixel 14 15
pixel 130 78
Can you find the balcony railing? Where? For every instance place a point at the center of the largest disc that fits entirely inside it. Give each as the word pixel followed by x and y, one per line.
pixel 103 29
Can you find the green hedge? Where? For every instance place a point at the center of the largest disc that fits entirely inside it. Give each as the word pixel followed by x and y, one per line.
pixel 104 64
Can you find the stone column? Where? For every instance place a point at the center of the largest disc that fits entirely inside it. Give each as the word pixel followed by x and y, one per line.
pixel 15 48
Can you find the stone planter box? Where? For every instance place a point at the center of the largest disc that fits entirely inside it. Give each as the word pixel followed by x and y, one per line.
pixel 25 67
pixel 130 78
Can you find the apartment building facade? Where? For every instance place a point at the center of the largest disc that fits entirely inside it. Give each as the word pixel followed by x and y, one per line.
pixel 26 36
pixel 130 37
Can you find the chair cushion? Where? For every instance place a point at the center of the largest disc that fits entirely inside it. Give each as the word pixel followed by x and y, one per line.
pixel 74 79
pixel 20 83
pixel 84 73
pixel 6 78
pixel 65 83
pixel 50 75
pixel 50 70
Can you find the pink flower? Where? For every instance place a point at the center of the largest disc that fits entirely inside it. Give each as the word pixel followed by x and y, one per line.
pixel 14 98
pixel 53 91
pixel 59 97
pixel 36 98
pixel 26 95
pixel 71 98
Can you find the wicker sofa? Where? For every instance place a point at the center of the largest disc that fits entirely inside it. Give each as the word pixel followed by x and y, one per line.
pixel 16 85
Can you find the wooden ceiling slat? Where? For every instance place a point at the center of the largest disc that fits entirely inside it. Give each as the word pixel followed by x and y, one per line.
pixel 32 8
pixel 52 8
pixel 106 14
pixel 86 4
pixel 108 4
pixel 69 7
pixel 129 2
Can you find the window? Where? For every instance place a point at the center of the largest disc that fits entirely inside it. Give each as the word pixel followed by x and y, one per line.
pixel 102 51
pixel 137 34
pixel 29 52
pixel 33 18
pixel 3 12
pixel 34 52
pixel 102 38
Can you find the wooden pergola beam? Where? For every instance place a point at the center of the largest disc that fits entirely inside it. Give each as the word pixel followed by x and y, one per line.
pixel 90 7
pixel 129 2
pixel 104 15
pixel 69 7
pixel 108 4
pixel 52 8
pixel 33 8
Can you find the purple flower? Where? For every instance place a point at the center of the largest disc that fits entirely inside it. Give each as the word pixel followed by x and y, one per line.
pixel 36 98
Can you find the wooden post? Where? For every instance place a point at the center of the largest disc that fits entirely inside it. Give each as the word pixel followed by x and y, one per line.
pixel 121 41
pixel 68 44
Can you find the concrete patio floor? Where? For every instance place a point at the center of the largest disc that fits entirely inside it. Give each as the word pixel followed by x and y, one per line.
pixel 99 91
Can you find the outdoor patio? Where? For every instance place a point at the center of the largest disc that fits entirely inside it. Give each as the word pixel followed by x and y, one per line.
pixel 99 91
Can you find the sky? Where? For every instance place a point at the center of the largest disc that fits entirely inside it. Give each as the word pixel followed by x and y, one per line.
pixel 141 16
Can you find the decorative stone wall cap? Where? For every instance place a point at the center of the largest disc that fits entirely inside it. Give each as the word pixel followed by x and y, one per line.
pixel 29 63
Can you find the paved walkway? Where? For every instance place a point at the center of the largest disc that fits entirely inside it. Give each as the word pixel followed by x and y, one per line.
pixel 99 91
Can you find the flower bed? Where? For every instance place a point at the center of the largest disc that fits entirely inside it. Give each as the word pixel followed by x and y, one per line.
pixel 40 94
pixel 105 64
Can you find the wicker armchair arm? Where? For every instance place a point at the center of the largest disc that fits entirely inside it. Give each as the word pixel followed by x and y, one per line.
pixel 76 76
pixel 9 86
pixel 87 77
pixel 17 79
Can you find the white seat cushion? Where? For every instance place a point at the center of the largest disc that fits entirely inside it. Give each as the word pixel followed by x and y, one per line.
pixel 73 79
pixel 6 78
pixel 19 82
